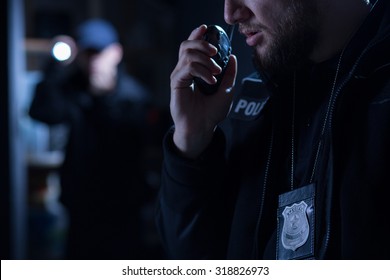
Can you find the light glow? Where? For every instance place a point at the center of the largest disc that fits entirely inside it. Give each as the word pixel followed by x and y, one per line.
pixel 61 51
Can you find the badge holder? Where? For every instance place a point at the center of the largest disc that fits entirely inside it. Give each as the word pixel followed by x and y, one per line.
pixel 296 224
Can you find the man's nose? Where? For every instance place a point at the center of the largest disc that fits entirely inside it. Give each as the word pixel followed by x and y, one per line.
pixel 235 11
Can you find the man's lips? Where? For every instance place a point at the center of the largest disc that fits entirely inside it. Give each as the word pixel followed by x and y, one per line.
pixel 254 33
pixel 253 37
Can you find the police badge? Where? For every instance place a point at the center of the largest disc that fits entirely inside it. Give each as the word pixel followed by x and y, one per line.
pixel 296 224
pixel 295 227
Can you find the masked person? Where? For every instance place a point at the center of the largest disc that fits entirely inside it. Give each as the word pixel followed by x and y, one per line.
pixel 295 166
pixel 102 179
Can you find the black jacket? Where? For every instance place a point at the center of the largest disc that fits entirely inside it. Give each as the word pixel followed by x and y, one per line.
pixel 224 204
pixel 102 178
pixel 106 133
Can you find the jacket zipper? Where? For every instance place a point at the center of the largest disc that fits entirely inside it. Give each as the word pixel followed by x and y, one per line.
pixel 261 205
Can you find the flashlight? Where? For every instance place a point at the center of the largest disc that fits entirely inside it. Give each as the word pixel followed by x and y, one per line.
pixel 63 49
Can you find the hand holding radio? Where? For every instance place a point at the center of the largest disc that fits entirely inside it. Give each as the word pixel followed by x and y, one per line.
pixel 216 36
pixel 200 83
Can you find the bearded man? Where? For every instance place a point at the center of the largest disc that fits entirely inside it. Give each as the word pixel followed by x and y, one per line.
pixel 295 166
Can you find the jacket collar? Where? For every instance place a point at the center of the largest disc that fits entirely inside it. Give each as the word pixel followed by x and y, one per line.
pixel 368 50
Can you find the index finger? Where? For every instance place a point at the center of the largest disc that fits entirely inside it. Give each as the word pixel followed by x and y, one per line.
pixel 198 32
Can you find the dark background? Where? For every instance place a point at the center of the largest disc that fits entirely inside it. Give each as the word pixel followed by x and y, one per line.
pixel 150 30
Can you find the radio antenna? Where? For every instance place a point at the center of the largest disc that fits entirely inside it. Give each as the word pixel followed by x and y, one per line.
pixel 230 31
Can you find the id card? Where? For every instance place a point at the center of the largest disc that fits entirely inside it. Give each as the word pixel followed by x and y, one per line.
pixel 296 224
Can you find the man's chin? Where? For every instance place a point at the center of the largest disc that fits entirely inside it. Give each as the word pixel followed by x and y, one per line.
pixel 263 59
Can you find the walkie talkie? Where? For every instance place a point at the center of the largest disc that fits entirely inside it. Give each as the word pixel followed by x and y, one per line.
pixel 216 36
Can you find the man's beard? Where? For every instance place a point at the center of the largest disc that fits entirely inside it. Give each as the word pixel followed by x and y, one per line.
pixel 293 41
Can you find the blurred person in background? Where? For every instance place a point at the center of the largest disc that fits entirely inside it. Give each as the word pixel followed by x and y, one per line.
pixel 102 180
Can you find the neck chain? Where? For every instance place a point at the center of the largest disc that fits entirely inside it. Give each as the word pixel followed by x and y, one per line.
pixel 323 130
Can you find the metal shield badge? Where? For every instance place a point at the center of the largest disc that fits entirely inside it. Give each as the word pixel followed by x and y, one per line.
pixel 295 227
